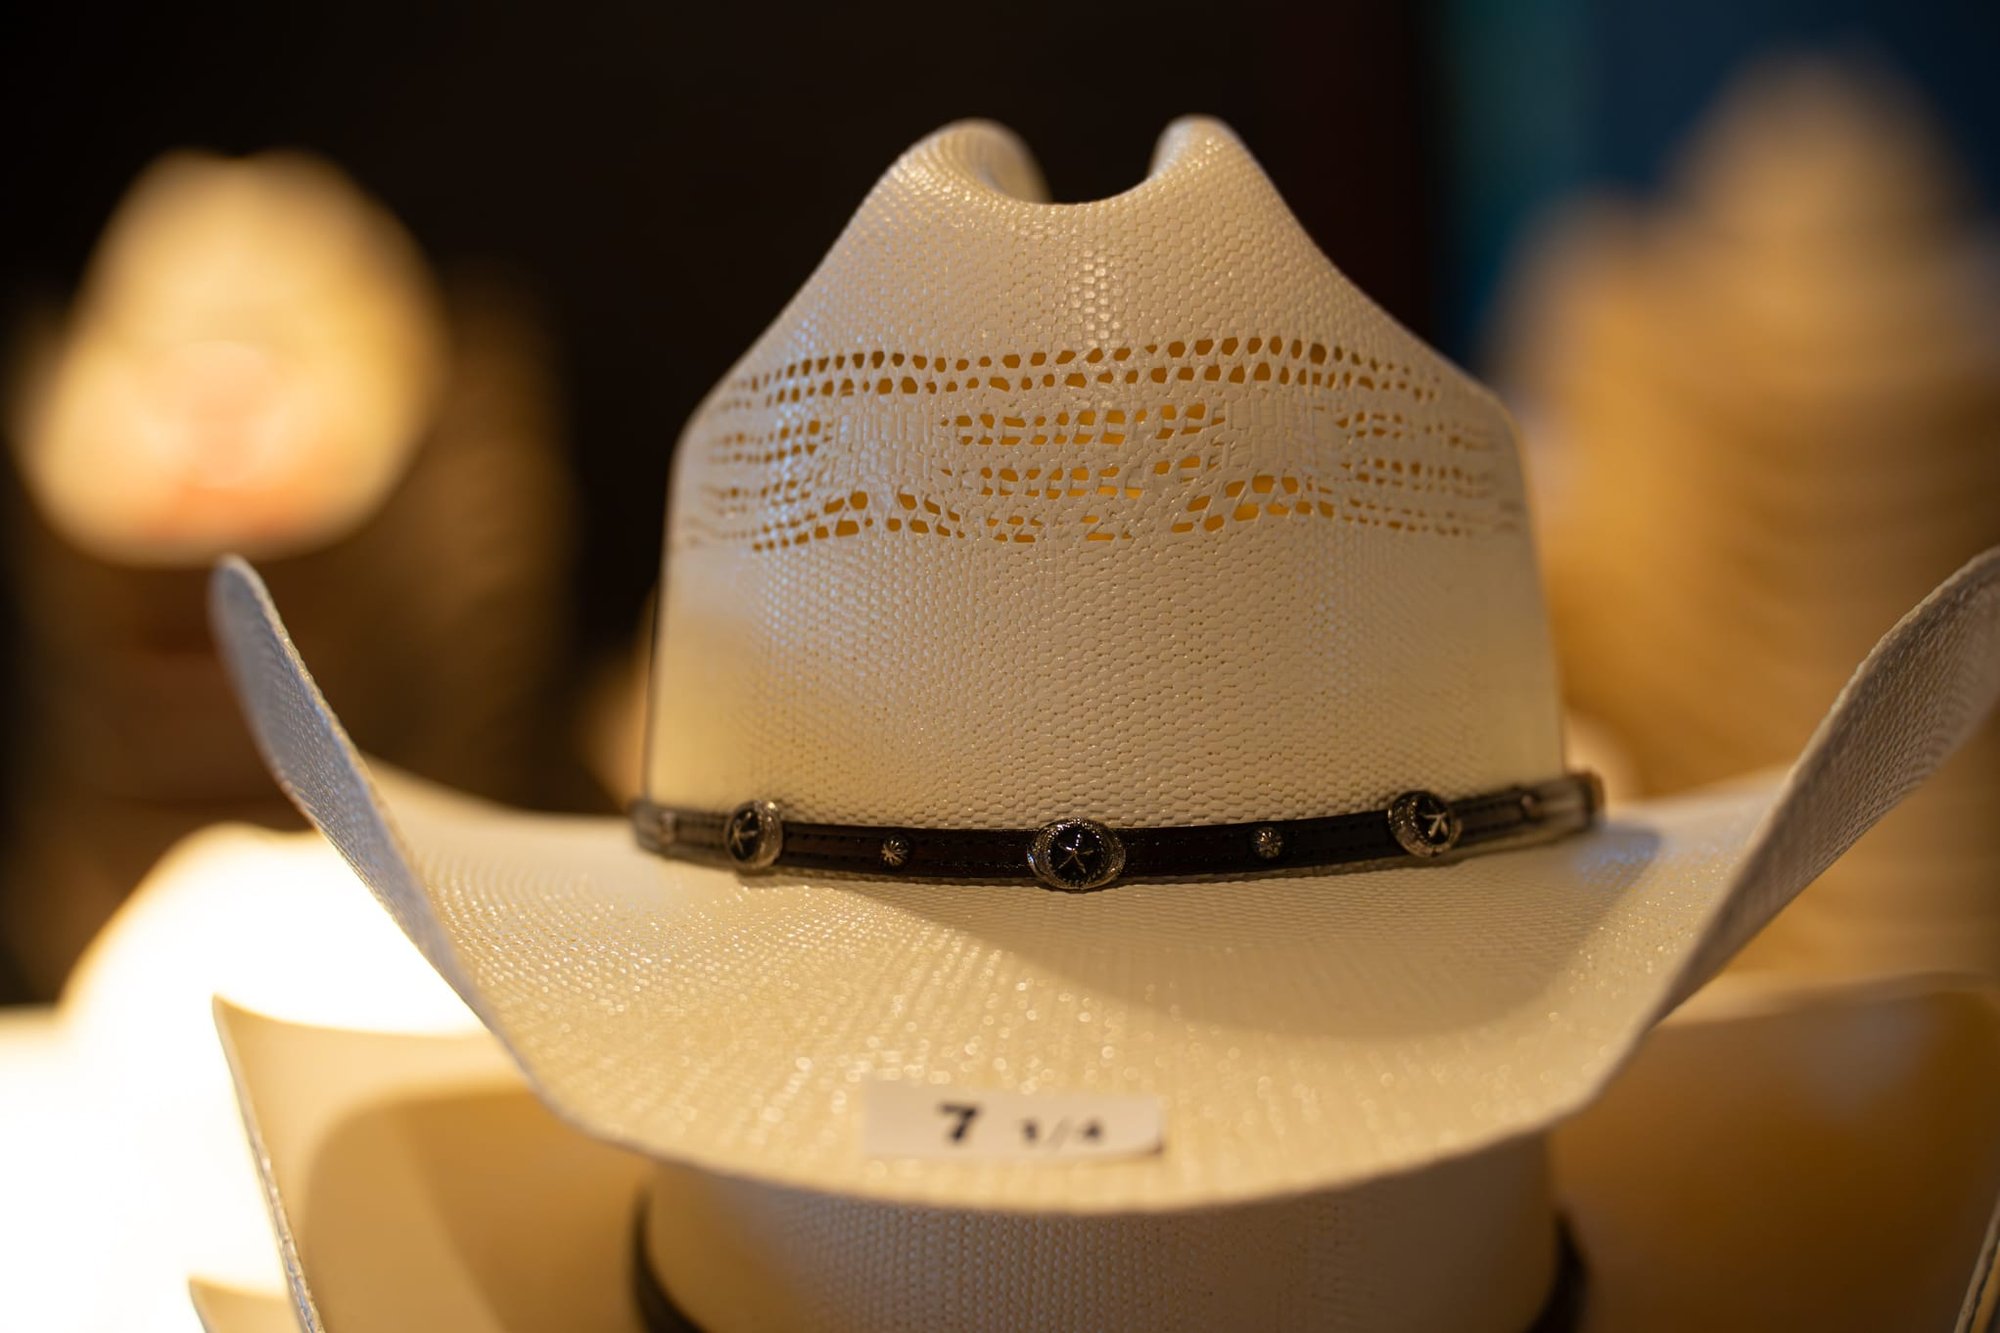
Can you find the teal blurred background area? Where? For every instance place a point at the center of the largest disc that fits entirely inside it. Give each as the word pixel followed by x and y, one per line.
pixel 1543 99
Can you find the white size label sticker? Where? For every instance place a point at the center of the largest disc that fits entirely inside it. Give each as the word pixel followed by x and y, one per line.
pixel 934 1121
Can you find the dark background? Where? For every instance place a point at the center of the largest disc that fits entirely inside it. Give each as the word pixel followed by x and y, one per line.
pixel 663 184
pixel 661 178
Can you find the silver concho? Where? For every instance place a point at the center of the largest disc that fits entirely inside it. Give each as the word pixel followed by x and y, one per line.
pixel 1423 824
pixel 895 852
pixel 753 835
pixel 1268 843
pixel 1076 855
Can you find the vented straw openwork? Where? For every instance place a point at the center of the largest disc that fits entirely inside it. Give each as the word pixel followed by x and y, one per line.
pixel 1135 508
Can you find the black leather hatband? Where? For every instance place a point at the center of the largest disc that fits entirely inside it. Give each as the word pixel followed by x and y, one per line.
pixel 1079 855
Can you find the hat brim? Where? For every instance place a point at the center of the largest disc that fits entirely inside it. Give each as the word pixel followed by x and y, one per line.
pixel 417 1184
pixel 413 1183
pixel 1301 1032
pixel 1789 1153
pixel 223 1309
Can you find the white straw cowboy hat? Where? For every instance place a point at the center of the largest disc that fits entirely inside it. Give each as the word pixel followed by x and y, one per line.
pixel 1122 548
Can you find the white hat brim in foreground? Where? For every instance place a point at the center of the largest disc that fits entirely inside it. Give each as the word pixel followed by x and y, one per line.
pixel 1793 1152
pixel 416 1184
pixel 1300 1032
pixel 413 1185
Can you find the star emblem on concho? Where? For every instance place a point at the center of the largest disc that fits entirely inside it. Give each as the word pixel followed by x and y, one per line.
pixel 1076 855
pixel 753 835
pixel 746 830
pixel 1423 824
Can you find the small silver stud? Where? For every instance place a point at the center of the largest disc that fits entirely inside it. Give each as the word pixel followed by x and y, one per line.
pixel 1531 805
pixel 656 826
pixel 1268 843
pixel 895 852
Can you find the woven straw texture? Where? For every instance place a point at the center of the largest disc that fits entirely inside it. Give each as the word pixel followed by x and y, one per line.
pixel 1302 1032
pixel 1134 507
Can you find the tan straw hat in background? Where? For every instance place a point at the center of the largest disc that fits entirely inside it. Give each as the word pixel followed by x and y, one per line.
pixel 1121 548
pixel 1771 407
pixel 260 360
pixel 251 366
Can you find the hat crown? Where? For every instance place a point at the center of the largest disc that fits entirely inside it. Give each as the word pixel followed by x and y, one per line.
pixel 1134 509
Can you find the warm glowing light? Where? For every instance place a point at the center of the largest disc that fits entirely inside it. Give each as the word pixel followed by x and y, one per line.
pixel 250 365
pixel 120 1142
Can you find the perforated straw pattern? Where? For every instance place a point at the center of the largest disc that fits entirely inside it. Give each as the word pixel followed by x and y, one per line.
pixel 1134 509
